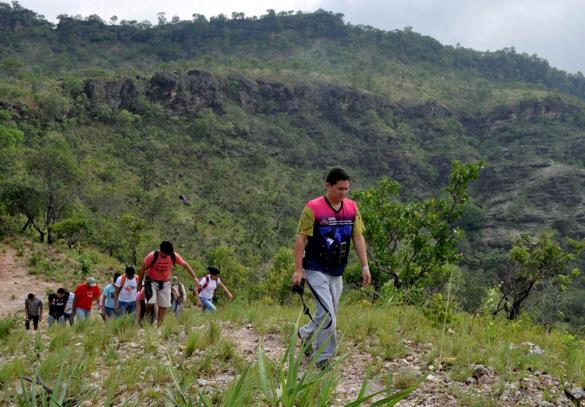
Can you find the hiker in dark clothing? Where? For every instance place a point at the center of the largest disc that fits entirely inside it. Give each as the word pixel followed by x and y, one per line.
pixel 33 308
pixel 57 303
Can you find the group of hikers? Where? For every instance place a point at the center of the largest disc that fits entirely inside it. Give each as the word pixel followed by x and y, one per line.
pixel 328 224
pixel 150 292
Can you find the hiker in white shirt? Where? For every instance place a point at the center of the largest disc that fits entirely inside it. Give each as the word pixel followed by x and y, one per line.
pixel 207 287
pixel 126 290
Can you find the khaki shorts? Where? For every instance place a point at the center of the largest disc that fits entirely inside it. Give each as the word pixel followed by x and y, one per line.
pixel 161 297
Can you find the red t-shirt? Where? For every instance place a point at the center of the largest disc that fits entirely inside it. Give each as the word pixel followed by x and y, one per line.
pixel 161 270
pixel 84 295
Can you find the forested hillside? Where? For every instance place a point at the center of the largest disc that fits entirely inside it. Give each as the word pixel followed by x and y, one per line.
pixel 213 133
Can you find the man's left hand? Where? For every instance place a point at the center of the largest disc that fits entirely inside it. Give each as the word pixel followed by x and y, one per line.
pixel 366 276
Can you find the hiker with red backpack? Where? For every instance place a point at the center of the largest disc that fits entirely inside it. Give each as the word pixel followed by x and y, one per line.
pixel 126 289
pixel 207 286
pixel 158 266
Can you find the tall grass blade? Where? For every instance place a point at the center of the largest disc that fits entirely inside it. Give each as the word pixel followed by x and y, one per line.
pixel 388 401
pixel 234 397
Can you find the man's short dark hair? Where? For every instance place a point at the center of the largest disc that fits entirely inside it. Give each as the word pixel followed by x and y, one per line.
pixel 116 275
pixel 166 247
pixel 130 271
pixel 336 174
pixel 61 291
pixel 31 296
pixel 214 271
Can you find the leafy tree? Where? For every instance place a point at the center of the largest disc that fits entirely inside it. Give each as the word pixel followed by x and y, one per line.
pixel 21 199
pixel 410 242
pixel 74 230
pixel 274 284
pixel 232 271
pixel 57 175
pixel 533 263
pixel 131 229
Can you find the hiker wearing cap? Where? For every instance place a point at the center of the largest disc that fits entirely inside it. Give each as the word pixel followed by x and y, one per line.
pixel 57 303
pixel 85 294
pixel 33 309
pixel 207 287
pixel 158 266
pixel 178 295
pixel 126 290
pixel 327 226
pixel 107 303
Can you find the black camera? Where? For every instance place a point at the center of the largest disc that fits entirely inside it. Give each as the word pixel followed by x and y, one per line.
pixel 298 288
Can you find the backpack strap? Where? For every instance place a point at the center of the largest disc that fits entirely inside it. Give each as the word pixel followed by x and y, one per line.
pixel 155 259
pixel 123 281
pixel 204 286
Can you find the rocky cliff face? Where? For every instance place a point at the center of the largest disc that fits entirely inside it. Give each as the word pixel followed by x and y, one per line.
pixel 529 183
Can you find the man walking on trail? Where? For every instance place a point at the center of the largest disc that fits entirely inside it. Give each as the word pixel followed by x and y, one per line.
pixel 328 224
pixel 57 303
pixel 33 308
pixel 85 294
pixel 158 266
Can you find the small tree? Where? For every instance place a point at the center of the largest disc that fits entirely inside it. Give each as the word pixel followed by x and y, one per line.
pixel 536 263
pixel 58 175
pixel 411 242
pixel 131 229
pixel 74 230
pixel 21 199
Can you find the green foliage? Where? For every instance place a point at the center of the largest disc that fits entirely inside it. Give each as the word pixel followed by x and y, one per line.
pixel 533 263
pixel 131 235
pixel 411 241
pixel 74 230
pixel 233 274
pixel 274 283
pixel 58 175
pixel 7 326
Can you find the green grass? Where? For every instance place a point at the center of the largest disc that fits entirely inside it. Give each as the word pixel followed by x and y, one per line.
pixel 116 353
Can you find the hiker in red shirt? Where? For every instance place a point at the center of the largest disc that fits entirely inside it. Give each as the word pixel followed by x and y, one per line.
pixel 158 266
pixel 85 294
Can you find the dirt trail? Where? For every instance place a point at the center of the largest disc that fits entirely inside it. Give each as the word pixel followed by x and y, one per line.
pixel 16 283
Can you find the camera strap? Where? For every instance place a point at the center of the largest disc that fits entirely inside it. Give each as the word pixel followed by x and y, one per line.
pixel 306 310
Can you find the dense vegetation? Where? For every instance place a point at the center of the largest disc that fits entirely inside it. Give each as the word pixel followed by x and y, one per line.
pixel 214 132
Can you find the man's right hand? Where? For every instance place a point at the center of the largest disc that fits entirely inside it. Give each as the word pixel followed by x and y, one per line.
pixel 297 277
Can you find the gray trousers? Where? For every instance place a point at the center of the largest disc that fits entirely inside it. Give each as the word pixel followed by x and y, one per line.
pixel 329 289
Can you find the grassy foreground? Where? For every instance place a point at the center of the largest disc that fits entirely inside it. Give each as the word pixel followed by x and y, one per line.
pixel 198 359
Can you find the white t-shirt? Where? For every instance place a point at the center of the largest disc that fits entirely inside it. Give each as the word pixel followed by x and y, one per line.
pixel 128 292
pixel 208 291
pixel 69 305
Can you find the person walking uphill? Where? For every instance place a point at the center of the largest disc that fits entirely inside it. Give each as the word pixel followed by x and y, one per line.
pixel 33 308
pixel 158 266
pixel 327 226
pixel 208 285
pixel 85 294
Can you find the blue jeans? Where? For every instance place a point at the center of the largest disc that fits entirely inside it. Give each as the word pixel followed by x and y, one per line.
pixel 176 307
pixel 51 320
pixel 110 312
pixel 207 305
pixel 127 307
pixel 82 313
pixel 68 317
